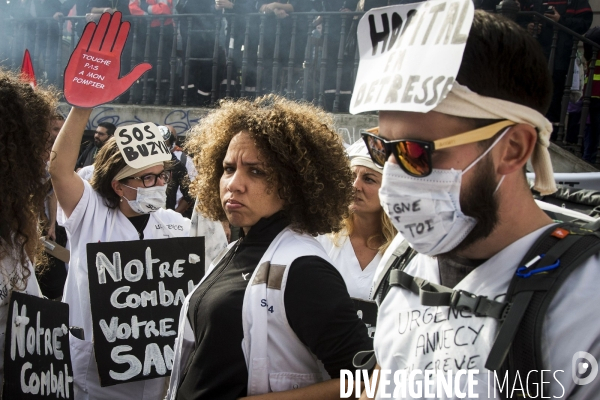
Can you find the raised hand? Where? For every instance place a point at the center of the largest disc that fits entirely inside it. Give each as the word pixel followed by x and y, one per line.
pixel 92 75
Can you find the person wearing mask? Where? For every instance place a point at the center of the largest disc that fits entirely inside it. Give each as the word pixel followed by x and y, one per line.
pixel 104 131
pixel 454 187
pixel 119 203
pixel 357 249
pixel 272 314
pixel 22 160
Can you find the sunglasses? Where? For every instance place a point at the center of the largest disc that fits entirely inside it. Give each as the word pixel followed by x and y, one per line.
pixel 414 156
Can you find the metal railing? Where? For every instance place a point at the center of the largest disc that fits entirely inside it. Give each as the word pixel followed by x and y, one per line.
pixel 199 58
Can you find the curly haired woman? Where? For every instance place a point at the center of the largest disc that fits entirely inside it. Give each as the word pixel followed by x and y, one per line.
pixel 272 313
pixel 25 115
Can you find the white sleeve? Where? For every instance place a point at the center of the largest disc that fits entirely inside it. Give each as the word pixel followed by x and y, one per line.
pixel 570 327
pixel 86 204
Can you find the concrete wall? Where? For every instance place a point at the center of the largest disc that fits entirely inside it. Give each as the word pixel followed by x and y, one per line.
pixel 348 126
pixel 182 119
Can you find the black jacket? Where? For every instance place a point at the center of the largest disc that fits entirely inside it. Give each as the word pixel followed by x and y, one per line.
pixel 83 156
pixel 574 14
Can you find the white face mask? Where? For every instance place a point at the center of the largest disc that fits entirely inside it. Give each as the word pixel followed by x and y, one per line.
pixel 426 211
pixel 148 200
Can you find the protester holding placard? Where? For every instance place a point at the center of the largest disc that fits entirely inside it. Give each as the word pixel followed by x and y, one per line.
pixel 124 199
pixel 119 203
pixel 357 249
pixel 272 305
pixel 23 115
pixel 482 295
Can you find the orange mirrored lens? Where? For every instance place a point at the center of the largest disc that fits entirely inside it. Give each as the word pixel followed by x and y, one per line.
pixel 414 158
pixel 377 150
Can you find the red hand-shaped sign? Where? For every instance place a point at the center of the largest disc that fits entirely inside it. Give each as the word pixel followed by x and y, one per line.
pixel 92 75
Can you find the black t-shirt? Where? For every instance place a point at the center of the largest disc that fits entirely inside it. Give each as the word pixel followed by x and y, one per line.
pixel 140 222
pixel 455 269
pixel 318 309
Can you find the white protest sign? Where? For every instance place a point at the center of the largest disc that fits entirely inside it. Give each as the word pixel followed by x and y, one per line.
pixel 410 55
pixel 142 144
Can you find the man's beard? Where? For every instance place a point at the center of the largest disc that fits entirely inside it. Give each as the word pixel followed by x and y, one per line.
pixel 98 143
pixel 479 202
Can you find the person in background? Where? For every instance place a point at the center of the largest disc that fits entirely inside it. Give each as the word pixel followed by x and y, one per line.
pixel 53 274
pixel 41 37
pixel 104 131
pixel 573 14
pixel 119 203
pixel 157 7
pixel 23 151
pixel 181 155
pixel 357 249
pixel 590 144
pixel 178 197
pixel 278 170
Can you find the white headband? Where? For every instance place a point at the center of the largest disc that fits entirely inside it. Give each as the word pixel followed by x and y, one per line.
pixel 359 155
pixel 462 102
pixel 128 171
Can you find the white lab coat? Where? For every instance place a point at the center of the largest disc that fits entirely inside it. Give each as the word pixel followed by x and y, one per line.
pixel 465 340
pixel 358 281
pixel 92 221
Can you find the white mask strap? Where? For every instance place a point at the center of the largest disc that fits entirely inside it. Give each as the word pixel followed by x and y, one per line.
pixel 487 150
pixel 499 183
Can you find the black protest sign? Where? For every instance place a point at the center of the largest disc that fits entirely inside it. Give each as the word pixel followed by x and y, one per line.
pixel 137 289
pixel 37 360
pixel 410 55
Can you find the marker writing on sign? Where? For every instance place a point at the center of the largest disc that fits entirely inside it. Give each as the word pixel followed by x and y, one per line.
pixel 140 143
pixel 29 338
pixel 449 32
pixel 92 71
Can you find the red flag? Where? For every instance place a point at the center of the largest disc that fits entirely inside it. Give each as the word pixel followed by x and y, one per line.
pixel 27 74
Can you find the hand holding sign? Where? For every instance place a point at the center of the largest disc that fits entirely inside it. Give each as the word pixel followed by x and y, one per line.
pixel 92 75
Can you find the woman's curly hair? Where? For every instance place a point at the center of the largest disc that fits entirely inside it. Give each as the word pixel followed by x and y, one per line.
pixel 25 115
pixel 304 157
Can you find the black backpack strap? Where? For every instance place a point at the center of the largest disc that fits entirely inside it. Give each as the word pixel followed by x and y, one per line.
pixel 399 259
pixel 541 273
pixel 434 295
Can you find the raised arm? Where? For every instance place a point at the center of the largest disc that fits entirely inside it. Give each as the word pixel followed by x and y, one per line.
pixel 68 186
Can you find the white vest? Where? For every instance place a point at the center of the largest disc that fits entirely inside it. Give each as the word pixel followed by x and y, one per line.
pixel 276 359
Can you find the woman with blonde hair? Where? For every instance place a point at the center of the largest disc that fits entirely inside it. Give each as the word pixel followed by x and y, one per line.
pixel 357 249
pixel 24 115
pixel 271 314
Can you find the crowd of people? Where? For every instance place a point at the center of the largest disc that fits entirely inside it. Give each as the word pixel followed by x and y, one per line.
pixel 429 218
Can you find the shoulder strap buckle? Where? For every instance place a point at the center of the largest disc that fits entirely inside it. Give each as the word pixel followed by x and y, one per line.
pixel 461 300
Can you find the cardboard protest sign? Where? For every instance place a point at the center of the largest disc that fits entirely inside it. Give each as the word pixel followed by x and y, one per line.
pixel 37 360
pixel 92 74
pixel 56 250
pixel 410 55
pixel 137 289
pixel 142 144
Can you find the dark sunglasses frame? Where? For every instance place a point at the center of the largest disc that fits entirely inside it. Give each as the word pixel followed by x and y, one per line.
pixel 391 146
pixel 166 173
